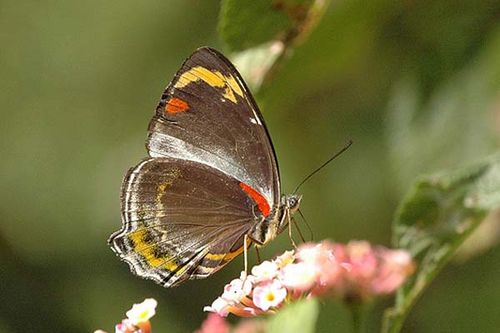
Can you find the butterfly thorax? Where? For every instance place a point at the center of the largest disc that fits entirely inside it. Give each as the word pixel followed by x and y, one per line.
pixel 267 228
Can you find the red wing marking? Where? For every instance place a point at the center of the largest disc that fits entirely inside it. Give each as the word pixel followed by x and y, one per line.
pixel 258 198
pixel 175 105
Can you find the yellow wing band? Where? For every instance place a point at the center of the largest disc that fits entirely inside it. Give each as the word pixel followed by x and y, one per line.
pixel 225 256
pixel 147 251
pixel 213 79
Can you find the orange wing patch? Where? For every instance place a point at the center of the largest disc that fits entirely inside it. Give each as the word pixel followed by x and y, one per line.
pixel 176 105
pixel 258 198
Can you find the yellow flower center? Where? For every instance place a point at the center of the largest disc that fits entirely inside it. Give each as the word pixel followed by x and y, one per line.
pixel 270 297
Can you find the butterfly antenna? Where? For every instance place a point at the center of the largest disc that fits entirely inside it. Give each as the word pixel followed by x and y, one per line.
pixel 307 225
pixel 349 143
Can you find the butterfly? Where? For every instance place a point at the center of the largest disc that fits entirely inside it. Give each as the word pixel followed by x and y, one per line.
pixel 210 186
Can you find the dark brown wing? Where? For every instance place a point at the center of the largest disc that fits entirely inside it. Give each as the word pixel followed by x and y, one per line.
pixel 208 115
pixel 181 220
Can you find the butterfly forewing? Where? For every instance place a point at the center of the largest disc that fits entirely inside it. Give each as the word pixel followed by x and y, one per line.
pixel 207 114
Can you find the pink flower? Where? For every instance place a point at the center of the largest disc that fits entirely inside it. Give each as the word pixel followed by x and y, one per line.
pixel 125 327
pixel 269 295
pixel 300 276
pixel 267 270
pixel 356 270
pixel 138 318
pixel 237 289
pixel 214 324
pixel 220 306
pixel 370 271
pixel 286 258
pixel 142 312
pixel 395 267
pixel 362 261
pixel 322 257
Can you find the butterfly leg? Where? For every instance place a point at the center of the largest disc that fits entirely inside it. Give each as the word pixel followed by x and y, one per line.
pixel 298 230
pixel 290 230
pixel 245 253
pixel 258 254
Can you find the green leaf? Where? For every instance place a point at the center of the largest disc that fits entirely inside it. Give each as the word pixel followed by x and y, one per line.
pixel 296 317
pixel 438 214
pixel 247 23
pixel 262 34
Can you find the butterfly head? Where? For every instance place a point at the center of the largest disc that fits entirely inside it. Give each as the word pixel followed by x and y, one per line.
pixel 292 202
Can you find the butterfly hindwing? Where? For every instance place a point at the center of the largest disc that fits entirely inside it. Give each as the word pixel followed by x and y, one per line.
pixel 208 115
pixel 181 220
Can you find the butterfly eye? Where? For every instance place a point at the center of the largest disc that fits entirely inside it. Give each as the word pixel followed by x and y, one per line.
pixel 293 202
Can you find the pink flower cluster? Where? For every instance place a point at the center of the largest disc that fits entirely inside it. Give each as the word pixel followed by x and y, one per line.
pixel 356 270
pixel 216 324
pixel 137 318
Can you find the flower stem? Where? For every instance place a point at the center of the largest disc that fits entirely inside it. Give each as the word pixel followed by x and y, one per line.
pixel 357 315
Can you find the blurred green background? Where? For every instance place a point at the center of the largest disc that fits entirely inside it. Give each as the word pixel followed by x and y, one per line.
pixel 415 85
